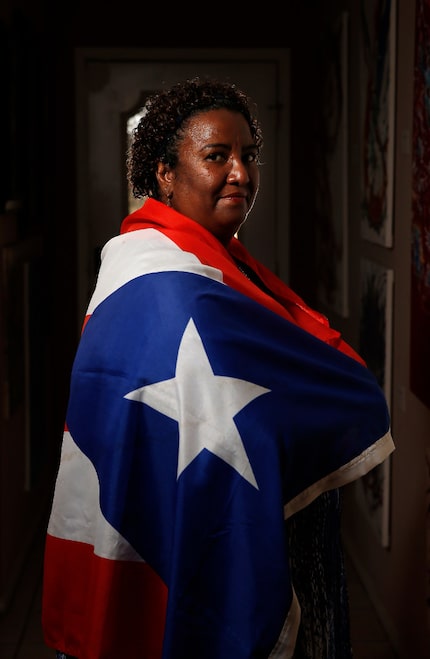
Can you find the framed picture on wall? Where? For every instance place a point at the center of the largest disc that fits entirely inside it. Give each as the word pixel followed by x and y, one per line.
pixel 420 225
pixel 378 82
pixel 375 346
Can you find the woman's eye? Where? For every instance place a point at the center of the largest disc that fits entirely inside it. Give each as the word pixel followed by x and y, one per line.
pixel 220 157
pixel 216 157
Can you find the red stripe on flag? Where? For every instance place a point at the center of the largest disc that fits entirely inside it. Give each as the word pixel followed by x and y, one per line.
pixel 99 607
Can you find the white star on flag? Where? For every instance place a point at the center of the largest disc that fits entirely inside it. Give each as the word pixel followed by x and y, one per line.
pixel 204 405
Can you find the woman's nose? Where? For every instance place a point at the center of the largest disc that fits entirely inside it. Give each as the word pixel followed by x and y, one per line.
pixel 238 172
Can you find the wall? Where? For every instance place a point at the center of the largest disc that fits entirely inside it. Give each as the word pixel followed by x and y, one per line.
pixel 397 576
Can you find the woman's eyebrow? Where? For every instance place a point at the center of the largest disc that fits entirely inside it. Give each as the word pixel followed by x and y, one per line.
pixel 224 145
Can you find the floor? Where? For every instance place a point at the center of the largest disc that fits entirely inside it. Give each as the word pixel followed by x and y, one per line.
pixel 21 635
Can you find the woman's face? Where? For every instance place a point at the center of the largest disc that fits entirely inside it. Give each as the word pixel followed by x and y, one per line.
pixel 217 176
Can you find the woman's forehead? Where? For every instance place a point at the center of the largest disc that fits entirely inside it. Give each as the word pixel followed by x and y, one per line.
pixel 218 126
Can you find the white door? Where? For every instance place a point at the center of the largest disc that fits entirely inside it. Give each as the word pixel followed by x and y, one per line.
pixel 111 83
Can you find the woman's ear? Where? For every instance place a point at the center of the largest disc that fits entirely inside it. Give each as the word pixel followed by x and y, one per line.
pixel 164 175
pixel 164 178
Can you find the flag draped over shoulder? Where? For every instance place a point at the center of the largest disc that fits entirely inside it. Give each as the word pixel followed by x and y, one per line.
pixel 202 414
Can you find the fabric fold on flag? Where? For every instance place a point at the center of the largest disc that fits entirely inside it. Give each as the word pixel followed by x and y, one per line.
pixel 202 414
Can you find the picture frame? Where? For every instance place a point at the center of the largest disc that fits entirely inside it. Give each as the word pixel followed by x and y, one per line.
pixel 375 346
pixel 378 89
pixel 420 223
pixel 332 185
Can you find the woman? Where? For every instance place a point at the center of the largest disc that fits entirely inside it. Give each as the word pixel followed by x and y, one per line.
pixel 212 418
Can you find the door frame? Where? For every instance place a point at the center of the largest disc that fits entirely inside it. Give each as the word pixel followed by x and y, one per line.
pixel 83 56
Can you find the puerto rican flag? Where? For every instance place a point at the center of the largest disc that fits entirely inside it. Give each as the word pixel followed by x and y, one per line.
pixel 202 414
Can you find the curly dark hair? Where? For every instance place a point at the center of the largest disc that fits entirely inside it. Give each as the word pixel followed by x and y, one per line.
pixel 156 137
